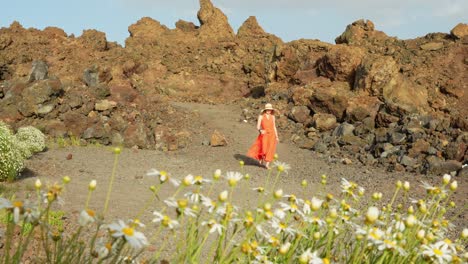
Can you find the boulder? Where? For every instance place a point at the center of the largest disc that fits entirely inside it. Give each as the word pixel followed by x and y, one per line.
pixel 374 73
pixel 332 100
pixel 459 31
pixel 439 167
pixel 300 114
pixel 136 135
pixel 340 63
pixel 432 46
pixel 405 97
pixel 217 139
pixel 343 129
pixel 94 39
pixel 359 31
pixel 39 71
pixel 361 107
pixel 324 122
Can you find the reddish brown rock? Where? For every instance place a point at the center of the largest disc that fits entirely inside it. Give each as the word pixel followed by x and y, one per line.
pixel 340 63
pixel 214 25
pixel 374 73
pixel 145 31
pixel 460 30
pixel 217 139
pixel 358 31
pixel 360 107
pixel 324 122
pixel 94 39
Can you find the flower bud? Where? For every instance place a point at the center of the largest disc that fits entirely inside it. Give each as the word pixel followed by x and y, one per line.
pixel 275 156
pixel 38 184
pixel 454 185
pixel 464 233
pixel 410 210
pixel 315 204
pixel 304 183
pixel 399 184
pixel 333 213
pixel 117 150
pixel 317 235
pixel 241 163
pixel 153 188
pixel 223 196
pixel 278 194
pixel 421 234
pixel 188 180
pixel 66 179
pixel 304 258
pixel 406 186
pixel 372 214
pixel 446 179
pixel 217 174
pixel 430 236
pixel 284 248
pixel 323 181
pixel 247 176
pixel 411 221
pixel 92 185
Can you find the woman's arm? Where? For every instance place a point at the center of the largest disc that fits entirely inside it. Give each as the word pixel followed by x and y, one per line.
pixel 259 124
pixel 274 127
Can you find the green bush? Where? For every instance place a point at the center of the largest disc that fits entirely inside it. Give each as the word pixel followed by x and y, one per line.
pixel 11 158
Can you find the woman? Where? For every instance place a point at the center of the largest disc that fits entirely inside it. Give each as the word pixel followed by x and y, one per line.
pixel 264 147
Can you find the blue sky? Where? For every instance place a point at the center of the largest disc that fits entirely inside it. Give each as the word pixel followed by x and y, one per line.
pixel 287 19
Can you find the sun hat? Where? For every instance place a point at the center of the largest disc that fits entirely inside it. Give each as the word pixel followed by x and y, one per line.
pixel 269 107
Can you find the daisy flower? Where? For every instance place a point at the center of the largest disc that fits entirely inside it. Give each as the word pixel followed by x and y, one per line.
pixel 214 226
pixel 233 177
pixel 281 166
pixel 165 220
pixel 86 217
pixel 438 252
pixel 136 239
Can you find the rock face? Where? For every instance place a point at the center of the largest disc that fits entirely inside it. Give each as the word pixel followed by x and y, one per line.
pixel 375 99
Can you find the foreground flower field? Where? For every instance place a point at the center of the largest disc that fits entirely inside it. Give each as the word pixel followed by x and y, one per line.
pixel 199 213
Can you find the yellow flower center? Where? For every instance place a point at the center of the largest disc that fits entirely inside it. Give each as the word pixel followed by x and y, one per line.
pixel 166 220
pixel 232 182
pixel 128 231
pixel 182 203
pixel 283 225
pixel 198 179
pixel 90 213
pixel 18 204
pixel 437 251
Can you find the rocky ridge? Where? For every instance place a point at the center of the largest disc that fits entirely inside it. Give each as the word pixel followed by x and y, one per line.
pixel 369 98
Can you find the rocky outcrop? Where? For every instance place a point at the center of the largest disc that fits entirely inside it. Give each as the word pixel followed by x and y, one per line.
pixel 213 23
pixel 359 31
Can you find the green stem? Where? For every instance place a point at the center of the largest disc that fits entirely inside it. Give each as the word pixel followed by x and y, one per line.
pixel 109 190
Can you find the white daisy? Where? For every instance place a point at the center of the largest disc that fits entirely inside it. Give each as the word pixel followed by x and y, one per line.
pixel 86 217
pixel 214 226
pixel 135 239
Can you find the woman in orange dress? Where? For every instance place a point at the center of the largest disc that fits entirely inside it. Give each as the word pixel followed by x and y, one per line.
pixel 264 147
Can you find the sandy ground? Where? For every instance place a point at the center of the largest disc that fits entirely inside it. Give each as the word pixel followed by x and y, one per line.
pixel 131 186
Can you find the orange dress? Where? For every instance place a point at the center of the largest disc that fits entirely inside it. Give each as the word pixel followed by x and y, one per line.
pixel 264 147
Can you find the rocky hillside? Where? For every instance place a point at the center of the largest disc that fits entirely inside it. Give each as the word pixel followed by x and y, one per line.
pixel 369 98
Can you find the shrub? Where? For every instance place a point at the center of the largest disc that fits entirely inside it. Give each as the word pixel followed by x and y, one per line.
pixel 11 159
pixel 32 138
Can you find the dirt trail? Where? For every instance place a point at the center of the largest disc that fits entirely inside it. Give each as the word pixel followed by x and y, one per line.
pixel 131 185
